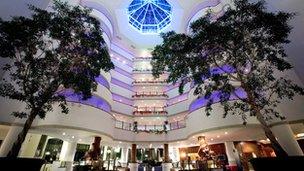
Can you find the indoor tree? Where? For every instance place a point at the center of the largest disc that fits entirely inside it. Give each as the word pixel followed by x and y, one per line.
pixel 51 51
pixel 237 59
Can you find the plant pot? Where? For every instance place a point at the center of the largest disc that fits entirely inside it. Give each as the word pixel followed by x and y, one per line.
pixel 16 164
pixel 277 163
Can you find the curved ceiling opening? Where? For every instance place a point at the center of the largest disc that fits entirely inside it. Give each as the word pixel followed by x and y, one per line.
pixel 149 16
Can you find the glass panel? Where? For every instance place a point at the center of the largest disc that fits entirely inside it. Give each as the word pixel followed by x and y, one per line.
pixel 149 16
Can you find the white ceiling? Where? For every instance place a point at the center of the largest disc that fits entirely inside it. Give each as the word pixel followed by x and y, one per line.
pixel 295 49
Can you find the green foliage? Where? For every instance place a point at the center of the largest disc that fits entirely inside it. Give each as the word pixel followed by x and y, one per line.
pixel 247 38
pixel 51 51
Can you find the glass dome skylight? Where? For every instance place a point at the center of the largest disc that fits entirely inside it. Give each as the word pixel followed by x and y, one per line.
pixel 149 16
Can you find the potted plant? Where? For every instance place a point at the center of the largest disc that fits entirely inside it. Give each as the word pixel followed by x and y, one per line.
pixel 237 55
pixel 52 50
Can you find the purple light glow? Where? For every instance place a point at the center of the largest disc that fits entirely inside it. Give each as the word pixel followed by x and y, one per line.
pixel 177 99
pixel 121 84
pixel 123 72
pixel 94 101
pixel 102 81
pixel 122 99
pixel 203 5
pixel 202 102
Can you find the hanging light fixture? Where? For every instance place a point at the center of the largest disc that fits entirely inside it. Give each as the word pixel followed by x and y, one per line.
pixel 203 144
pixel 202 141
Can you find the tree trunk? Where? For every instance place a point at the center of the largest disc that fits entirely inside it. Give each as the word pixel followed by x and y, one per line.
pixel 280 152
pixel 13 153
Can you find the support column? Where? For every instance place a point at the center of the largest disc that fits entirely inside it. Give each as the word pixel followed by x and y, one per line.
pixel 9 140
pixel 166 166
pixel 105 152
pixel 174 154
pixel 67 154
pixel 29 146
pixel 287 139
pixel 231 153
pixel 166 153
pixel 133 165
pixel 124 156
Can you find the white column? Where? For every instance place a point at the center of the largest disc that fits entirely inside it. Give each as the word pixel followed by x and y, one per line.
pixel 105 152
pixel 231 153
pixel 286 139
pixel 174 154
pixel 133 166
pixel 166 166
pixel 124 156
pixel 67 154
pixel 29 146
pixel 9 140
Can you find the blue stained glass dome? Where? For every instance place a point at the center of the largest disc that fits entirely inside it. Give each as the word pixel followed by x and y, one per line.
pixel 149 16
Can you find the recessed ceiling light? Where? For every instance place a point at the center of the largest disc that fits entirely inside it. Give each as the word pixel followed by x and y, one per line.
pixel 119 142
pixel 141 118
pixel 80 139
pixel 226 133
pixel 73 137
pixel 63 133
pixel 218 136
pixel 211 139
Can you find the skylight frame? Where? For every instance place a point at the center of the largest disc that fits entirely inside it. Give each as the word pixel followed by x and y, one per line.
pixel 149 16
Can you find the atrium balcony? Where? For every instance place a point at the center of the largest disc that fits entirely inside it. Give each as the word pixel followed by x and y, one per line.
pixel 150 128
pixel 148 111
pixel 139 59
pixel 149 82
pixel 150 95
pixel 144 71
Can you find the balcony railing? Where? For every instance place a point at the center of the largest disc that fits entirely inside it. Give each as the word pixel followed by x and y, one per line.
pixel 150 95
pixel 149 112
pixel 170 126
pixel 143 71
pixel 142 59
pixel 149 82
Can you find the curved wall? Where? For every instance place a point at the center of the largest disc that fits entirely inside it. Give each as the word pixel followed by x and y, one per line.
pixel 80 117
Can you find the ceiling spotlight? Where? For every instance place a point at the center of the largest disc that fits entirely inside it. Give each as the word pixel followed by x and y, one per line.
pixel 119 142
pixel 211 139
pixel 141 118
pixel 226 133
pixel 63 133
pixel 80 139
pixel 218 136
pixel 73 137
